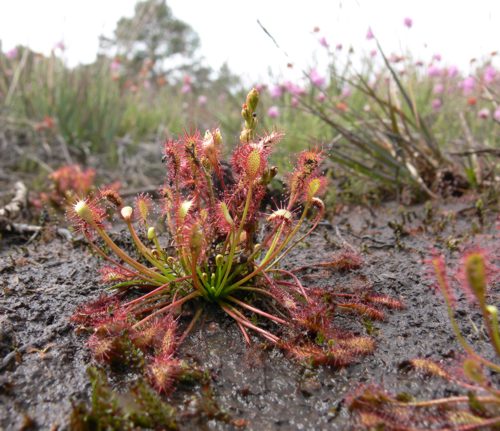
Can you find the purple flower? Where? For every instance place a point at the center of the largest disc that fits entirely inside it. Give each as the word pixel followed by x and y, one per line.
pixel 438 89
pixel 186 88
pixel 468 85
pixel 11 54
pixel 408 22
pixel 452 71
pixel 436 104
pixel 323 42
pixel 496 114
pixel 489 74
pixel 369 34
pixel 295 102
pixel 202 100
pixel 433 71
pixel 338 47
pixel 373 53
pixel 484 114
pixel 273 112
pixel 316 78
pixel 276 92
pixel 437 57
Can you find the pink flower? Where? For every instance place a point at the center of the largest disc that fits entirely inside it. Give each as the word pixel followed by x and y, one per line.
pixel 186 88
pixel 295 102
pixel 276 92
pixel 260 87
pixel 202 100
pixel 11 54
pixel 438 89
pixel 273 112
pixel 468 85
pixel 316 78
pixel 436 104
pixel 323 42
pixel 489 74
pixel 346 92
pixel 369 34
pixel 115 65
pixel 373 53
pixel 433 71
pixel 321 97
pixel 408 22
pixel 338 47
pixel 496 114
pixel 437 57
pixel 452 71
pixel 484 114
pixel 294 89
pixel 60 45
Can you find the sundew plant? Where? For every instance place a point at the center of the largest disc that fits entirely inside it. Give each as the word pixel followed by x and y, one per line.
pixel 479 408
pixel 214 243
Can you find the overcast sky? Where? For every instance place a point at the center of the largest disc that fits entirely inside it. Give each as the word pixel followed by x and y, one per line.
pixel 458 30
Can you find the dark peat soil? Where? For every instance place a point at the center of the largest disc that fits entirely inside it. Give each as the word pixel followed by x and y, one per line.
pixel 43 360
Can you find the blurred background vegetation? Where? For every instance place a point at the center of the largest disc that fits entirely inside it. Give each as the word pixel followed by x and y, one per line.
pixel 393 126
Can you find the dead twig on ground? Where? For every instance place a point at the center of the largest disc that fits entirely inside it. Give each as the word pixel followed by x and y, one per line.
pixel 18 202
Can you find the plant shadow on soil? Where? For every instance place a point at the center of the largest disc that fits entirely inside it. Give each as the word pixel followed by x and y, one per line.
pixel 43 360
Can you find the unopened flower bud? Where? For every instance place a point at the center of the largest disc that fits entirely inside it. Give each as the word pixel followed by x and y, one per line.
pixel 126 213
pixel 245 136
pixel 151 233
pixel 219 260
pixel 217 136
pixel 245 113
pixel 253 99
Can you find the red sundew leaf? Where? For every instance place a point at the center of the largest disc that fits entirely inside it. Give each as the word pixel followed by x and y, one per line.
pixel 143 206
pixel 73 179
pixel 163 372
pixel 96 312
pixel 427 367
pixel 483 257
pixel 111 195
pixel 385 301
pixel 363 310
pixel 115 274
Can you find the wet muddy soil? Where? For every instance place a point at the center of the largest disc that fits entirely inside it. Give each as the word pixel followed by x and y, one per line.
pixel 43 361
